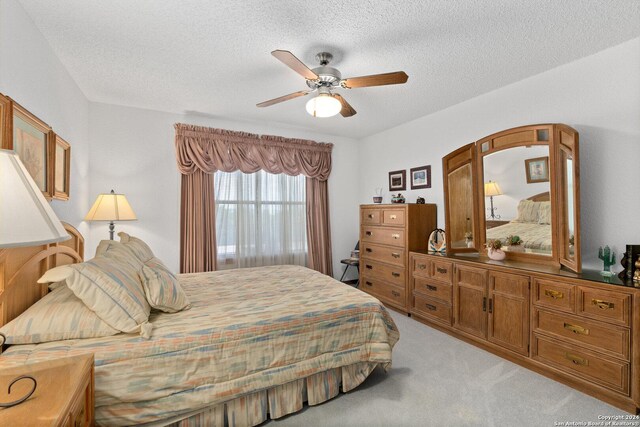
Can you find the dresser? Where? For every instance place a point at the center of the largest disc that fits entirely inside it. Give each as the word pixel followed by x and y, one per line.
pixel 573 328
pixel 387 234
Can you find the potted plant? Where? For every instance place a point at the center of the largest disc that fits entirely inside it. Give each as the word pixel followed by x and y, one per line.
pixel 494 250
pixel 468 238
pixel 515 243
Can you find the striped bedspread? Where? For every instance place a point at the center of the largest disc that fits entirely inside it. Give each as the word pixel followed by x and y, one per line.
pixel 248 329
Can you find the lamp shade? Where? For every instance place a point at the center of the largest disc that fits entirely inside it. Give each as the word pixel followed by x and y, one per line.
pixel 111 207
pixel 323 105
pixel 26 219
pixel 492 189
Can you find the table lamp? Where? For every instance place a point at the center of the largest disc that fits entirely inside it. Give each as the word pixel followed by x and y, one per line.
pixel 492 189
pixel 111 207
pixel 26 219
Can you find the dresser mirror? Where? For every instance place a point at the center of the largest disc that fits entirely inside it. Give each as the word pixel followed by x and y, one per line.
pixel 519 186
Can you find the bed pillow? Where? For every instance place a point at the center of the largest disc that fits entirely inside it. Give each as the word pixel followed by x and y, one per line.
pixel 56 277
pixel 544 213
pixel 112 289
pixel 119 252
pixel 59 315
pixel 137 246
pixel 527 211
pixel 161 288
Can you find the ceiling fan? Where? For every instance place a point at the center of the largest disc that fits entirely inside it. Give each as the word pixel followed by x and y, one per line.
pixel 324 80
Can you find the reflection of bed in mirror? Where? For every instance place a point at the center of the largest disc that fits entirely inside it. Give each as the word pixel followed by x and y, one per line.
pixel 532 225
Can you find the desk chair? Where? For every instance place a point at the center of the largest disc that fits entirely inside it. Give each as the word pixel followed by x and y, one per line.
pixel 351 262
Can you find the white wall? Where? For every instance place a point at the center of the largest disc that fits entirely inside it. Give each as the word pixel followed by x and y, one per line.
pixel 31 74
pixel 598 95
pixel 132 151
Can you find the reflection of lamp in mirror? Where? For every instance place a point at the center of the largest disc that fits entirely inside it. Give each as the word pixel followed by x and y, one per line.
pixel 492 189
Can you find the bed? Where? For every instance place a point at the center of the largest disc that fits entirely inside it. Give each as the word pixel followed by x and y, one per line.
pixel 256 343
pixel 532 225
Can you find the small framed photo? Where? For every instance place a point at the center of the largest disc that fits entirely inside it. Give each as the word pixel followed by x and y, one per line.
pixel 32 140
pixel 421 177
pixel 397 180
pixel 61 168
pixel 537 169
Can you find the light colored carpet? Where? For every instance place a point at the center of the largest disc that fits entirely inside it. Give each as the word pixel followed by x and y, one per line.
pixel 437 380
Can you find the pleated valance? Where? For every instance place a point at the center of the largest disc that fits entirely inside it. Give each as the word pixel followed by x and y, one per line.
pixel 209 150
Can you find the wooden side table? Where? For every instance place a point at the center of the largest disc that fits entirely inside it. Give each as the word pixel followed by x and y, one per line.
pixel 64 396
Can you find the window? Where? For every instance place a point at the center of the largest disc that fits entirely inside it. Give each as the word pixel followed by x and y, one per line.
pixel 260 219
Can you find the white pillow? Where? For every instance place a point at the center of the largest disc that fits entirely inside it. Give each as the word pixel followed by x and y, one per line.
pixel 527 211
pixel 112 289
pixel 56 274
pixel 137 246
pixel 544 213
pixel 59 315
pixel 161 287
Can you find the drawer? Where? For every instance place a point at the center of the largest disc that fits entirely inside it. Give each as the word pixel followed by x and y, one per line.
pixel 370 216
pixel 385 291
pixel 393 217
pixel 441 270
pixel 610 339
pixel 604 305
pixel 389 273
pixel 560 296
pixel 383 235
pixel 575 360
pixel 420 266
pixel 441 291
pixel 382 253
pixel 432 309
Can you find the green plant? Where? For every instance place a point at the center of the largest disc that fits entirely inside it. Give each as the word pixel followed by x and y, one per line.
pixel 514 240
pixel 494 244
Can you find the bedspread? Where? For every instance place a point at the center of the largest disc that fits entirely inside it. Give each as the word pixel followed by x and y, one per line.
pixel 247 330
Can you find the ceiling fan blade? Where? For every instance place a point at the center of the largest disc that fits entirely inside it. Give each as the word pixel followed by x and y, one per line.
pixel 395 78
pixel 347 110
pixel 283 98
pixel 295 64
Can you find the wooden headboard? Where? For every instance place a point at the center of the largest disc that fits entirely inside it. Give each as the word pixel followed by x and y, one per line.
pixel 542 197
pixel 20 269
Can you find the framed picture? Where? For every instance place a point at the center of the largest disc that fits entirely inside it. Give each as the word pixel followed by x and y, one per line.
pixel 32 139
pixel 421 177
pixel 397 180
pixel 537 169
pixel 61 166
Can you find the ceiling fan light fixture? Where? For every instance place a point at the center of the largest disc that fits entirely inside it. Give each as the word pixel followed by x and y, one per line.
pixel 323 105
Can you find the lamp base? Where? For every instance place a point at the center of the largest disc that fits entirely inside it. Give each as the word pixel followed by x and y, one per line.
pixel 111 228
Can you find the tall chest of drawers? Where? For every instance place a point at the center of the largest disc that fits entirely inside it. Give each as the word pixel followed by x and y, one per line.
pixel 387 234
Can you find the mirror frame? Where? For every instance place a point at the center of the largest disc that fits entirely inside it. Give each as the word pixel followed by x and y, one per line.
pixel 519 137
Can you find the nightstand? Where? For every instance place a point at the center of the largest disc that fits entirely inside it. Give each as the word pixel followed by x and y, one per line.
pixel 64 396
pixel 495 223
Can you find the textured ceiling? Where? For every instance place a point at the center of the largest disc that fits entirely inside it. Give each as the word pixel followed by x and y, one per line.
pixel 212 57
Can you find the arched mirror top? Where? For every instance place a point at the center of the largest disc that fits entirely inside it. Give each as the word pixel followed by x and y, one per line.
pixel 526 195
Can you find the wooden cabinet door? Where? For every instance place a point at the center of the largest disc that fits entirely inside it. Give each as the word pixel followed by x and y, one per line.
pixel 470 300
pixel 508 310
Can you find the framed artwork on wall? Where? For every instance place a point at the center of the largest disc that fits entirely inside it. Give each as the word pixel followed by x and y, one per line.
pixel 61 166
pixel 31 140
pixel 537 169
pixel 397 180
pixel 421 177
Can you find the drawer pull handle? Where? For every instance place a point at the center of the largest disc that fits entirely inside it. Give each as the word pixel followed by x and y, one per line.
pixel 394 274
pixel 369 267
pixel 431 307
pixel 576 360
pixel 422 266
pixel 392 217
pixel 441 270
pixel 553 294
pixel 432 288
pixel 395 293
pixel 576 329
pixel 369 250
pixel 602 305
pixel 370 216
pixel 395 235
pixel 368 233
pixel 368 283
pixel 395 255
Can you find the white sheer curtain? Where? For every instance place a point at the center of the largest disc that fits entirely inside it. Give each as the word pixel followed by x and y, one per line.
pixel 260 219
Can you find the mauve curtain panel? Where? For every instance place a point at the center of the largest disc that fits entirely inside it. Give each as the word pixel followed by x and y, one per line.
pixel 201 151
